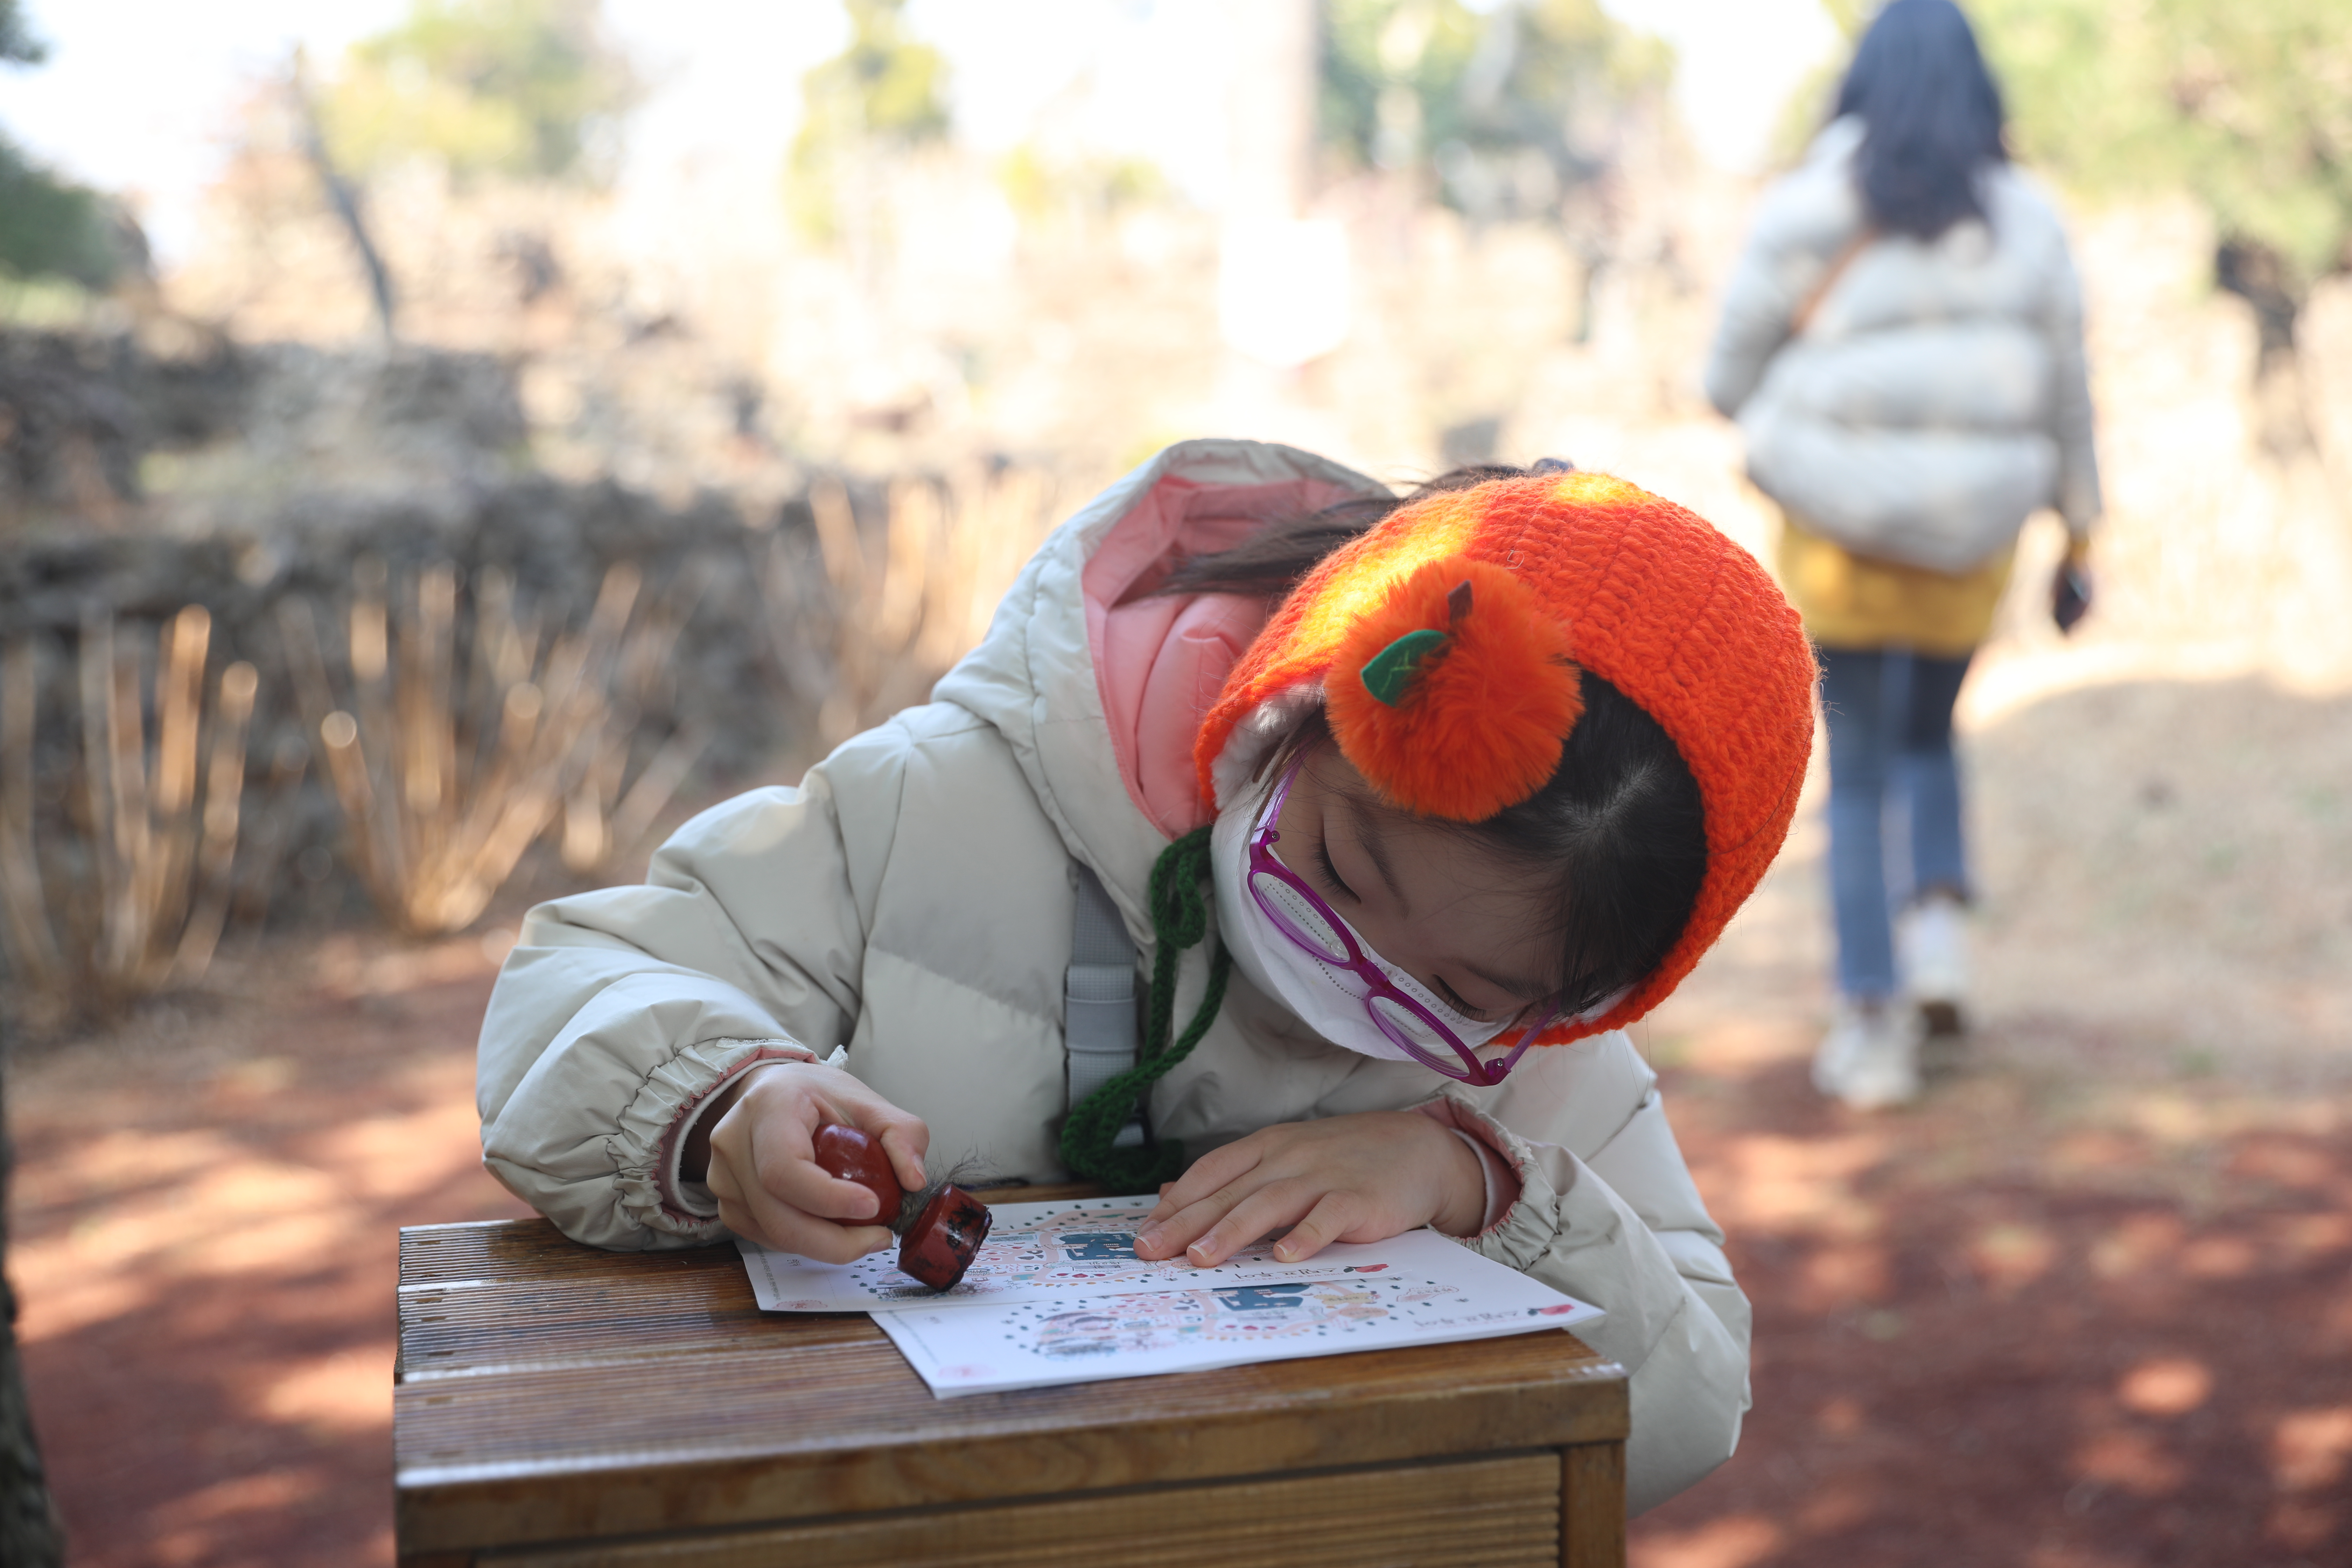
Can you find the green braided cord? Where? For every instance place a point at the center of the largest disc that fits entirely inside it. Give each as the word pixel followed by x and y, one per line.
pixel 1180 919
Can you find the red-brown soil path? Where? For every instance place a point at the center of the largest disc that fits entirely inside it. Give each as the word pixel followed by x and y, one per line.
pixel 2039 1321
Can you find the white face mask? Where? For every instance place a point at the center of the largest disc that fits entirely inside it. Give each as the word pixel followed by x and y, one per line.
pixel 1326 999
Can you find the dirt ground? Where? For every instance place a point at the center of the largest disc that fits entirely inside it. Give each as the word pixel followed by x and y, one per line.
pixel 204 1243
pixel 2084 1308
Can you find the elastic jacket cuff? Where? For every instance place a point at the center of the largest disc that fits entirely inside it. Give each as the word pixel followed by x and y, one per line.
pixel 651 1137
pixel 1488 1141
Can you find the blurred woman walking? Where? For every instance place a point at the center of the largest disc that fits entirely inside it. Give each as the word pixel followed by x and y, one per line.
pixel 1902 345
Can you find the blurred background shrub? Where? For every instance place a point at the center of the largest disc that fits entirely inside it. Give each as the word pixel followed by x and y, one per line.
pixel 817 379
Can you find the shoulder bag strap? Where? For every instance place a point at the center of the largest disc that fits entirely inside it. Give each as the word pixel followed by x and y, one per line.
pixel 1803 316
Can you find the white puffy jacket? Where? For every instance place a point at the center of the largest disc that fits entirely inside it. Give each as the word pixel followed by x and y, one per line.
pixel 1939 396
pixel 913 899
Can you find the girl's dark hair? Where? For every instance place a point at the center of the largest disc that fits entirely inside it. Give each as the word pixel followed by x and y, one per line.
pixel 1931 114
pixel 1619 831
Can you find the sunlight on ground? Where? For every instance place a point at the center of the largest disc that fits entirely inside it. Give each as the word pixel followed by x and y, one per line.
pixel 2036 1318
pixel 206 1253
pixel 2013 1301
pixel 1735 1542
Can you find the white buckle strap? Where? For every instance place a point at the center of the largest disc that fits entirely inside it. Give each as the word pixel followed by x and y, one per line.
pixel 1098 997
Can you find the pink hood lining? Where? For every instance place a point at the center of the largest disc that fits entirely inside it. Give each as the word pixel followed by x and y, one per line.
pixel 1160 663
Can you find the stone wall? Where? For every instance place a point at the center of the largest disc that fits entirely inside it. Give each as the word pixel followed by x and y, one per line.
pixel 133 485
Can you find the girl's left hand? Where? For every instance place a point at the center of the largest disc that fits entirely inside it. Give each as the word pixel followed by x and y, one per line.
pixel 1365 1177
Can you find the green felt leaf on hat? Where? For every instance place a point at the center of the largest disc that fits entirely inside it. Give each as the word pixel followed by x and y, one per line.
pixel 1393 668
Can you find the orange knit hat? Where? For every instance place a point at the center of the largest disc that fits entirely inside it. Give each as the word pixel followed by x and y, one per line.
pixel 1444 645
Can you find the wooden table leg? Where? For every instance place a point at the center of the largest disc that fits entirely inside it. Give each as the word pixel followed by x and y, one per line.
pixel 1592 1506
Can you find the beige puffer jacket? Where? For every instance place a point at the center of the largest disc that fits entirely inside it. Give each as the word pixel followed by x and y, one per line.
pixel 912 900
pixel 1939 396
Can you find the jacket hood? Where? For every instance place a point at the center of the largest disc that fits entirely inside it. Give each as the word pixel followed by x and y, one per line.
pixel 1049 676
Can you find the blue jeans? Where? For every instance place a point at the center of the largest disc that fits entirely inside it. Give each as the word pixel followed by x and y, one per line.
pixel 1894 799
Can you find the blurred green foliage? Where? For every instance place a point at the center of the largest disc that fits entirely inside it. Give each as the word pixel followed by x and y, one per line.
pixel 1509 109
pixel 884 90
pixel 2247 105
pixel 1851 16
pixel 49 227
pixel 528 88
pixel 1413 54
pixel 17 43
pixel 1040 186
pixel 883 85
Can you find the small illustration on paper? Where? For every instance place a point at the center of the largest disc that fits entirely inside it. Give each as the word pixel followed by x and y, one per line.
pixel 970 1349
pixel 1237 1314
pixel 1037 1252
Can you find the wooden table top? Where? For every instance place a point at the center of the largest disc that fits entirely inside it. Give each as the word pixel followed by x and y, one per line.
pixel 549 1391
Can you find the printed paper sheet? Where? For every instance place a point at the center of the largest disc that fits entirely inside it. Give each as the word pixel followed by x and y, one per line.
pixel 1055 1251
pixel 998 1346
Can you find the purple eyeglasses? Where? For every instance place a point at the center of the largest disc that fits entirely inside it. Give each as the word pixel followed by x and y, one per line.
pixel 1300 913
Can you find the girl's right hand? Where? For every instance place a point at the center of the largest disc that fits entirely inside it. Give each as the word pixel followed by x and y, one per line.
pixel 764 1171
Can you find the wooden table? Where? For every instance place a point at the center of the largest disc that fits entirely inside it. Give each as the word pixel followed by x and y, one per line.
pixel 558 1407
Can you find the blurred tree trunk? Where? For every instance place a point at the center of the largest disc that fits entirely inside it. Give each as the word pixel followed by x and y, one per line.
pixel 1271 109
pixel 2263 279
pixel 344 198
pixel 29 1533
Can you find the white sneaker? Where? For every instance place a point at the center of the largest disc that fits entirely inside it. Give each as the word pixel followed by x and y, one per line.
pixel 1870 1058
pixel 1931 948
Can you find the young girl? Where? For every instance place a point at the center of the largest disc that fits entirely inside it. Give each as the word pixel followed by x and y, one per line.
pixel 1481 789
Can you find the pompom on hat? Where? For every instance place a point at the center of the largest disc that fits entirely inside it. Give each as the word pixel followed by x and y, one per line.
pixel 1445 645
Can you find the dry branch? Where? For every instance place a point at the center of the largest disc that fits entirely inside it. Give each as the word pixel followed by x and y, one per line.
pixel 903 608
pixel 142 890
pixel 444 780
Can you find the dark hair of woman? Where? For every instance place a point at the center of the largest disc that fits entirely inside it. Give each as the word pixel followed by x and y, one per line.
pixel 1931 114
pixel 1618 836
